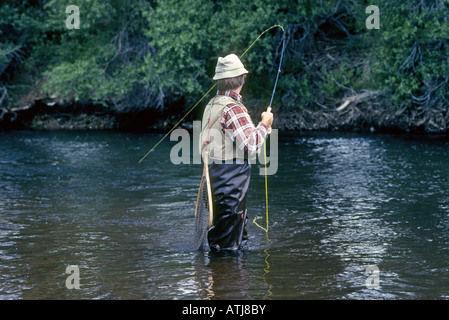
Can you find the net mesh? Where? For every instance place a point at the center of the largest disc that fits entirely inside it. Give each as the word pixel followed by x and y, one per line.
pixel 202 216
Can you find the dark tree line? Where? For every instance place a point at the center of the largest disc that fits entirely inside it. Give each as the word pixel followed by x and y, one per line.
pixel 160 55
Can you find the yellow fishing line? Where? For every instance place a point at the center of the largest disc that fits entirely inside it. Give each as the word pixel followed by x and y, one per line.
pixel 196 104
pixel 267 269
pixel 266 192
pixel 177 124
pixel 275 26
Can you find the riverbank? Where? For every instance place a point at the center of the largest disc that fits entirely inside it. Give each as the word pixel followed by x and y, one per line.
pixel 349 116
pixel 369 118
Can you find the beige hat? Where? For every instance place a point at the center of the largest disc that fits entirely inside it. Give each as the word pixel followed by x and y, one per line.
pixel 229 67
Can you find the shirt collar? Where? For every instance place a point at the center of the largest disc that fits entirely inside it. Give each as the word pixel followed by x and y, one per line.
pixel 230 93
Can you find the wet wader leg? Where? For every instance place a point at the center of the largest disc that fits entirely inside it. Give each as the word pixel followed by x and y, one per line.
pixel 229 184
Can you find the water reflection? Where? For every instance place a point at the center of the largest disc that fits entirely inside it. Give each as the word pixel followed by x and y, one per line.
pixel 338 203
pixel 222 276
pixel 352 176
pixel 354 192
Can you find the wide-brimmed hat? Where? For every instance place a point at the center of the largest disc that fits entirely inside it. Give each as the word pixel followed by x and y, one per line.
pixel 229 67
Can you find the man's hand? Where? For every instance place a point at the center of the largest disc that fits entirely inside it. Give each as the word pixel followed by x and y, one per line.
pixel 267 117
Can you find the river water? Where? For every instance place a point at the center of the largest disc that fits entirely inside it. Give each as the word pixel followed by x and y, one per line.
pixel 338 204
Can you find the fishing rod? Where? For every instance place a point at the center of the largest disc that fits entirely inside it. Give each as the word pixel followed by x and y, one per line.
pixel 269 108
pixel 265 143
pixel 196 104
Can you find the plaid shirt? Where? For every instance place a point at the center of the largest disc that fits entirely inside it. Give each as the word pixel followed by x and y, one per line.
pixel 237 123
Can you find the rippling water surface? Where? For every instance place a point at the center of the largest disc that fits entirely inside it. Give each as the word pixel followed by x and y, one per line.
pixel 337 204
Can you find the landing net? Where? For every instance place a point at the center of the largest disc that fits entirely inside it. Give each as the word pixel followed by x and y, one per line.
pixel 203 212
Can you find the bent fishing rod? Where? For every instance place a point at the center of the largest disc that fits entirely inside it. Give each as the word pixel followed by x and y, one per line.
pixel 264 145
pixel 196 104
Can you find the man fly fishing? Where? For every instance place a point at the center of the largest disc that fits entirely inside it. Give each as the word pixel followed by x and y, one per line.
pixel 228 141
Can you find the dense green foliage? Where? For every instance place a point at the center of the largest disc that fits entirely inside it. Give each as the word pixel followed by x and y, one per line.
pixel 155 54
pixel 411 55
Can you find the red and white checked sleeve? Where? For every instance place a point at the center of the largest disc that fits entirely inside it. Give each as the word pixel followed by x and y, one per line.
pixel 237 122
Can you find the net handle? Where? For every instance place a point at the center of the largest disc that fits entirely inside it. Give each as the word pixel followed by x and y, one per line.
pixel 209 189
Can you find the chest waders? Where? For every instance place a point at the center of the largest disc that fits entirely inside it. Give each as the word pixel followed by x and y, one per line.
pixel 228 183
